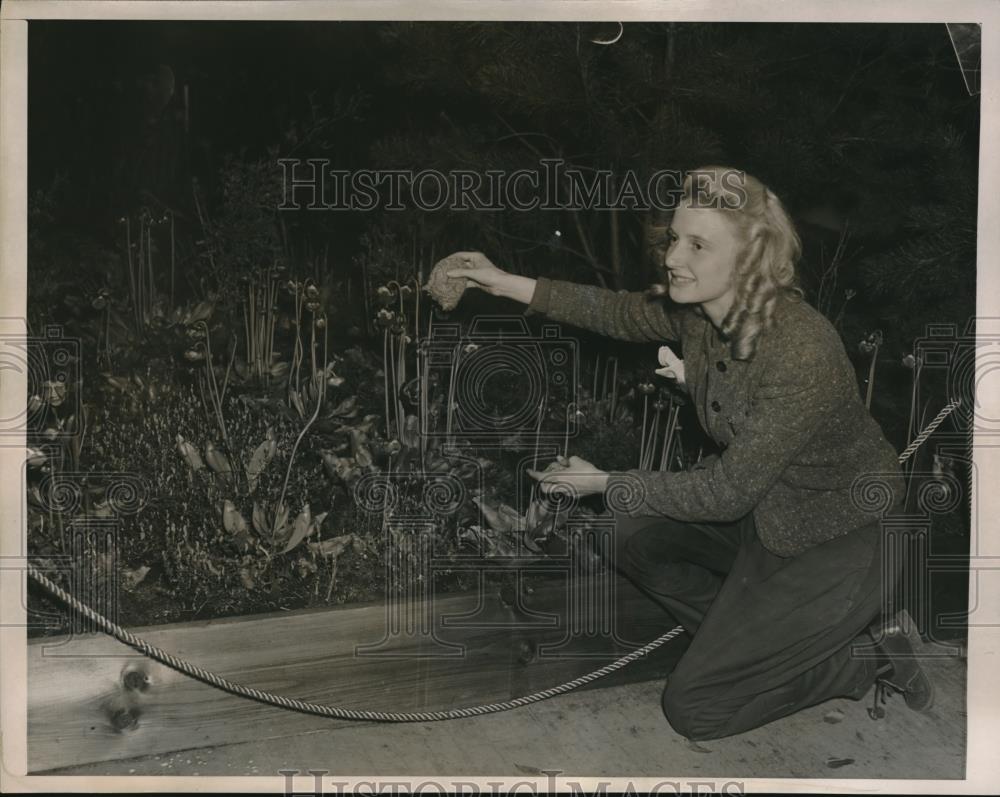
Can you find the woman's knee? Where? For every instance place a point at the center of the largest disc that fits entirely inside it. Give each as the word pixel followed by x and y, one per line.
pixel 654 536
pixel 687 714
pixel 625 531
pixel 651 557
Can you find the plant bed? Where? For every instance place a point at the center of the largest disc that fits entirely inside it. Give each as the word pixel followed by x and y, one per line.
pixel 229 492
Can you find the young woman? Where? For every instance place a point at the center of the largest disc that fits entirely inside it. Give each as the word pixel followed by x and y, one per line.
pixel 764 552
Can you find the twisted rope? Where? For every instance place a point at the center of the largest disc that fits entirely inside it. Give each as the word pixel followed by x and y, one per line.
pixel 323 710
pixel 929 429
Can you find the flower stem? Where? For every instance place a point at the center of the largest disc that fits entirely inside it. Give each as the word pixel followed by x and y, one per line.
pixel 570 410
pixel 651 443
pixel 668 438
pixel 913 407
pixel 132 289
pixel 538 431
pixel 246 332
pixel 225 381
pixel 320 397
pixel 364 292
pixel 395 386
pixel 298 335
pixel 423 408
pixel 871 377
pixel 451 390
pixel 312 346
pixel 149 264
pixel 385 380
pixel 642 436
pixel 614 391
pixel 213 387
pixel 172 260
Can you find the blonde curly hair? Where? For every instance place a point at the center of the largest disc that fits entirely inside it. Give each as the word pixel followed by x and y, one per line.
pixel 765 268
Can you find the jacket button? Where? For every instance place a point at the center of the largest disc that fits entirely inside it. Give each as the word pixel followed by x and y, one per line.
pixel 720 365
pixel 716 406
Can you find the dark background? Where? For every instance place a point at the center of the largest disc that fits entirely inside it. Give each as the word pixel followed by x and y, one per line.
pixel 868 127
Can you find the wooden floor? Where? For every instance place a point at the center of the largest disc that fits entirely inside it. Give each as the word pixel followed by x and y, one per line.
pixel 611 732
pixel 91 698
pixel 97 707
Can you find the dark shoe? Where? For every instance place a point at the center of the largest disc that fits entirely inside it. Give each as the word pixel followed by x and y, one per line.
pixel 899 643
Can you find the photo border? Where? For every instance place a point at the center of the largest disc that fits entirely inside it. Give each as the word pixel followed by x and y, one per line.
pixel 983 766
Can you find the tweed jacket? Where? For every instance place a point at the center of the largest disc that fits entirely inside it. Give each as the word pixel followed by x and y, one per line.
pixel 794 435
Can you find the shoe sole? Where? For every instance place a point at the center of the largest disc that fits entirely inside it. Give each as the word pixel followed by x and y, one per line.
pixel 902 632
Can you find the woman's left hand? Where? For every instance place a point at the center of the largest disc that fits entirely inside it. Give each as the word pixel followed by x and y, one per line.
pixel 575 475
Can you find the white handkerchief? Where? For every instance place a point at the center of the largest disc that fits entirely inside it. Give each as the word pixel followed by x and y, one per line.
pixel 673 366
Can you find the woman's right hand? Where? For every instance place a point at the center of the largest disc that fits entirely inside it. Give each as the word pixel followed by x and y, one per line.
pixel 482 274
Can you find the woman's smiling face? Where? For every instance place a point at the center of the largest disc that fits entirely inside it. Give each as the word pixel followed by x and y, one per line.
pixel 701 259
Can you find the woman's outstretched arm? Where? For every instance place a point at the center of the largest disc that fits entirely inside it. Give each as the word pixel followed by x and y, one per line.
pixel 620 315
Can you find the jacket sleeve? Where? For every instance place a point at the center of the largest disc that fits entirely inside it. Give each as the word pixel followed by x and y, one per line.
pixel 621 315
pixel 785 411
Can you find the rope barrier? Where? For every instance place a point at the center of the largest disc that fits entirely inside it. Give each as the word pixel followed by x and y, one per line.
pixel 293 704
pixel 929 429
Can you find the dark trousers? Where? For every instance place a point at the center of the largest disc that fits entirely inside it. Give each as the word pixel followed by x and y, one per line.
pixel 770 635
